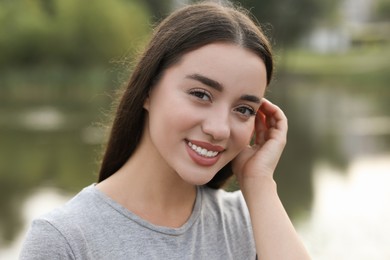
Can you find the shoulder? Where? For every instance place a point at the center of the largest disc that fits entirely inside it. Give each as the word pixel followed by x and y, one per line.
pixel 45 241
pixel 79 208
pixel 54 233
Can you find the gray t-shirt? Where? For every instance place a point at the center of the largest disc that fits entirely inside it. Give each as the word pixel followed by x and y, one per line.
pixel 93 226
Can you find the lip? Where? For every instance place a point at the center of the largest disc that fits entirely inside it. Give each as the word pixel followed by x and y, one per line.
pixel 201 160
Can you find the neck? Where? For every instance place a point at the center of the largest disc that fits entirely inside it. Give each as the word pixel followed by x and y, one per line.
pixel 148 187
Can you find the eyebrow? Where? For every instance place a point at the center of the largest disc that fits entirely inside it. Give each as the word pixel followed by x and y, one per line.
pixel 206 81
pixel 251 98
pixel 218 86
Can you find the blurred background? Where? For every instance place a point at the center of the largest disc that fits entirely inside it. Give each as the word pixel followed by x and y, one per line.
pixel 62 62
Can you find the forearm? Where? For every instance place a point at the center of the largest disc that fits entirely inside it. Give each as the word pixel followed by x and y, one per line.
pixel 274 233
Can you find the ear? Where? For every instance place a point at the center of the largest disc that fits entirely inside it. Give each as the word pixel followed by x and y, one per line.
pixel 147 103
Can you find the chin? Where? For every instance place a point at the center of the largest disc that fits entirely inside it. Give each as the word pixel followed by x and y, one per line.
pixel 197 180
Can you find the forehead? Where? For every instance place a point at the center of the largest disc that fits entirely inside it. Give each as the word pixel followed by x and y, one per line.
pixel 229 64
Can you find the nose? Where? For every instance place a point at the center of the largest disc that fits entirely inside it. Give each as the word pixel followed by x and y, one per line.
pixel 216 124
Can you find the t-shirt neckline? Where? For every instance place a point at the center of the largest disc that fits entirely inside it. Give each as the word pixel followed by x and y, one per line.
pixel 140 221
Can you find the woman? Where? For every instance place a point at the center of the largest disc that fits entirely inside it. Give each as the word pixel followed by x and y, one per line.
pixel 183 126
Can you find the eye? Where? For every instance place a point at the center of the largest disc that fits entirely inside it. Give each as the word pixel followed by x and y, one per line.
pixel 246 111
pixel 201 94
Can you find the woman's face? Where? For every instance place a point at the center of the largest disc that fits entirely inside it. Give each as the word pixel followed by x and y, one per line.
pixel 201 113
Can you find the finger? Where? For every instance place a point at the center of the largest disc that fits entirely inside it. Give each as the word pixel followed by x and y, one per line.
pixel 260 128
pixel 275 118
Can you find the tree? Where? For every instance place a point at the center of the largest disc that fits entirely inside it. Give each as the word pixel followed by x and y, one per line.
pixel 158 8
pixel 70 32
pixel 287 20
pixel 382 10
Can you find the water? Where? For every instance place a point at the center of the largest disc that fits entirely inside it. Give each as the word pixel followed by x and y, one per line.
pixel 350 213
pixel 43 146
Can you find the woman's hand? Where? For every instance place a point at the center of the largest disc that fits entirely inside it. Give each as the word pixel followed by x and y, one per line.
pixel 274 234
pixel 260 159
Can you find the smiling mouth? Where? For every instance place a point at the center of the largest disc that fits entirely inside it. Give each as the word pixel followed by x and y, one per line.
pixel 202 151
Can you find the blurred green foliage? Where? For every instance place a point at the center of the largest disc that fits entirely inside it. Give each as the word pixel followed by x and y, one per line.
pixel 158 8
pixel 382 10
pixel 71 32
pixel 286 21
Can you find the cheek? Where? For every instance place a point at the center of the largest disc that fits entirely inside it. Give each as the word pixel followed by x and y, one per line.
pixel 172 117
pixel 243 135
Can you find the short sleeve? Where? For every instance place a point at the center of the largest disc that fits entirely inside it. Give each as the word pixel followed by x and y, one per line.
pixel 44 241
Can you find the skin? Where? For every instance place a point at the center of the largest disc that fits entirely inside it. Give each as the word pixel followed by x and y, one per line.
pixel 212 97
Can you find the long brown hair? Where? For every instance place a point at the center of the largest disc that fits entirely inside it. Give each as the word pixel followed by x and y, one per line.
pixel 184 30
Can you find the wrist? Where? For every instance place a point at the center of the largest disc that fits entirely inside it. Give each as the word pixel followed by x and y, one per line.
pixel 256 187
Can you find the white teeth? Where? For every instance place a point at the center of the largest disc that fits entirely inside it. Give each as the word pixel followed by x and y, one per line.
pixel 202 151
